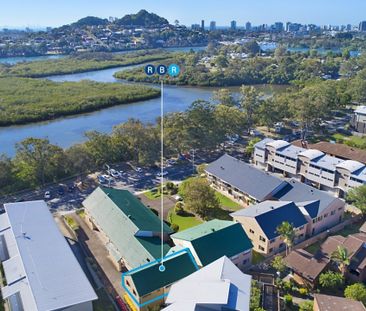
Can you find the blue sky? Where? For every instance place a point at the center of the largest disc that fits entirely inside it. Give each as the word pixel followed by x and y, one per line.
pixel 55 13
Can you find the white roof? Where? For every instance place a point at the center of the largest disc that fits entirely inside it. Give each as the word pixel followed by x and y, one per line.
pixel 361 110
pixel 44 271
pixel 219 284
pixel 278 144
pixel 350 165
pixel 311 153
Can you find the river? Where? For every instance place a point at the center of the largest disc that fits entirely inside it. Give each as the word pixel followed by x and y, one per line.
pixel 70 130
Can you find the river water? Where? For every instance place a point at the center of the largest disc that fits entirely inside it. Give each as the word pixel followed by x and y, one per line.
pixel 70 130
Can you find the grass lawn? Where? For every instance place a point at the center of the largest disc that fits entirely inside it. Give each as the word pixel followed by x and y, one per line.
pixel 152 194
pixel 227 202
pixel 353 141
pixel 184 222
pixel 257 257
pixel 313 248
pixel 350 229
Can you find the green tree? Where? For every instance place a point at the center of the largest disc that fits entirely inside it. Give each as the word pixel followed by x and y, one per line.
pixel 37 161
pixel 199 197
pixel 357 292
pixel 6 172
pixel 224 97
pixel 306 306
pixel 342 258
pixel 100 147
pixel 250 100
pixel 357 196
pixel 249 149
pixel 79 159
pixel 251 47
pixel 278 264
pixel 255 296
pixel 331 279
pixel 221 61
pixel 287 232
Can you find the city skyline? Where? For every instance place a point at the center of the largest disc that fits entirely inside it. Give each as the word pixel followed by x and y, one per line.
pixel 42 13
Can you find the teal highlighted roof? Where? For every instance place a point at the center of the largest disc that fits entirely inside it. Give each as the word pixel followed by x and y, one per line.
pixel 216 238
pixel 131 227
pixel 149 279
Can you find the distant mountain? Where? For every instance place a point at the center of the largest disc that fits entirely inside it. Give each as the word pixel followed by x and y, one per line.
pixel 142 19
pixel 90 21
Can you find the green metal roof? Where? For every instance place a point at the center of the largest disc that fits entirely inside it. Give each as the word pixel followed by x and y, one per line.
pixel 150 278
pixel 120 215
pixel 138 213
pixel 202 229
pixel 216 238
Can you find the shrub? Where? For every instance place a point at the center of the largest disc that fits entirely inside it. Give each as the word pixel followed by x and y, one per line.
pixel 287 299
pixel 174 227
pixel 306 306
pixel 357 292
pixel 303 291
pixel 179 208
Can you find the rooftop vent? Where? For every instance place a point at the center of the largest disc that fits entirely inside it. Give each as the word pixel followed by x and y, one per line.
pixel 222 167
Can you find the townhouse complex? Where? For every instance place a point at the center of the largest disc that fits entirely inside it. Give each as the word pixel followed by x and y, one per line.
pixel 312 166
pixel 270 201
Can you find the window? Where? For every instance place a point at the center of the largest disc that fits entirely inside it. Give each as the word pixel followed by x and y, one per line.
pixel 271 250
pixel 128 284
pixel 261 248
pixel 326 215
pixel 272 241
pixel 245 261
pixel 262 238
pixel 332 213
pixel 251 231
pixel 340 208
pixel 134 292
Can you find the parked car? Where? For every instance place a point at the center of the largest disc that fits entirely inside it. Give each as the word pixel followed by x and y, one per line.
pixel 162 174
pixel 101 179
pixel 121 305
pixel 71 188
pixel 138 169
pixel 171 162
pixel 47 195
pixel 61 190
pixel 255 133
pixel 114 173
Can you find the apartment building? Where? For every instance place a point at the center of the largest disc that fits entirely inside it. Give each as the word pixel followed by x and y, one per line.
pixel 242 182
pixel 358 121
pixel 40 270
pixel 312 166
pixel 261 221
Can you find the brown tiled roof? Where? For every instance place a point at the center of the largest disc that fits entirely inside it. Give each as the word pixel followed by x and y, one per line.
pixel 305 264
pixel 352 243
pixel 337 150
pixel 333 303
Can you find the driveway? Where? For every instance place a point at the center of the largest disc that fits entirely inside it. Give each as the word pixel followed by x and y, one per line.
pixel 94 246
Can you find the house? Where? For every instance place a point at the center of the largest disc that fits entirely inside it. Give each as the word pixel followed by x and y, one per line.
pixel 312 166
pixel 358 121
pixel 260 222
pixel 217 286
pixel 214 239
pixel 333 303
pixel 356 248
pixel 241 181
pixel 131 231
pixel 306 267
pixel 40 270
pixel 148 286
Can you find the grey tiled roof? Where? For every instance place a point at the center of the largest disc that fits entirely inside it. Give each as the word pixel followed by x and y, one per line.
pixel 248 179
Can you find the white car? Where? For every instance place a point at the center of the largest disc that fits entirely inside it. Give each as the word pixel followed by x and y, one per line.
pixel 138 169
pixel 162 174
pixel 47 195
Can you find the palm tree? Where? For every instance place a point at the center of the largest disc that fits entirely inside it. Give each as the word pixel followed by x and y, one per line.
pixel 287 232
pixel 341 257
